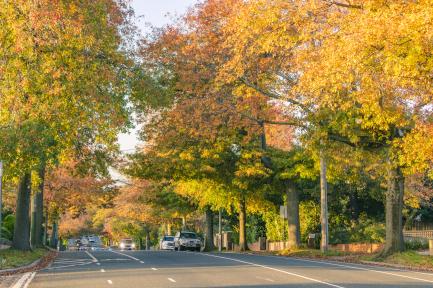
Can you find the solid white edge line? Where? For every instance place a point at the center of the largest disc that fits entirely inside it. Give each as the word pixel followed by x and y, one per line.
pixel 275 269
pixel 91 256
pixel 171 280
pixel 364 269
pixel 25 280
pixel 29 280
pixel 126 255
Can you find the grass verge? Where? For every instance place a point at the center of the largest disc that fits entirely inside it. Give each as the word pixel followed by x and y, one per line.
pixel 11 258
pixel 407 258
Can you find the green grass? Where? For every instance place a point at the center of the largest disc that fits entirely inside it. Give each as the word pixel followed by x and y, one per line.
pixel 10 258
pixel 407 258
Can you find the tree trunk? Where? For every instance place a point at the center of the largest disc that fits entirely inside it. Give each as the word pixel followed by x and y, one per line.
pixel 394 206
pixel 243 246
pixel 21 240
pixel 45 241
pixel 293 216
pixel 54 236
pixel 209 230
pixel 183 223
pixel 323 204
pixel 38 212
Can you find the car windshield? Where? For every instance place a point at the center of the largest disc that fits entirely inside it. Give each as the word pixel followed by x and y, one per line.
pixel 168 238
pixel 126 241
pixel 188 235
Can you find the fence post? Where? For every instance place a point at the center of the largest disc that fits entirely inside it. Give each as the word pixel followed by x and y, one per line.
pixel 430 246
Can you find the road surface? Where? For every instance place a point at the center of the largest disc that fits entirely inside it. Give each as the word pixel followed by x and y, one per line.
pixel 131 269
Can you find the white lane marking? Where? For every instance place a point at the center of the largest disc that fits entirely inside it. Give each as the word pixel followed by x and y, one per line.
pixel 91 256
pixel 154 269
pixel 97 263
pixel 129 256
pixel 102 270
pixel 141 262
pixel 171 280
pixel 110 282
pixel 275 269
pixel 67 266
pixel 266 279
pixel 25 280
pixel 366 269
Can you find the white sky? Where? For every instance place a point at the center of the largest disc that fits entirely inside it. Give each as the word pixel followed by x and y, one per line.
pixel 156 13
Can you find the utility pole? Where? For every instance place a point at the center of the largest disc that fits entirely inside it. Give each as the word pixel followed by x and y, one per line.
pixel 220 236
pixel 1 197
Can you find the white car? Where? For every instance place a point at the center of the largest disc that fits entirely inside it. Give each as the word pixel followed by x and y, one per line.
pixel 127 244
pixel 167 243
pixel 187 241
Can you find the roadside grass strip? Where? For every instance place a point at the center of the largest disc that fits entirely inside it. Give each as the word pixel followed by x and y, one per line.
pixel 274 269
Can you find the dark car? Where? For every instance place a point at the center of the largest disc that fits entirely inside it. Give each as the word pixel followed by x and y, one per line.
pixel 186 241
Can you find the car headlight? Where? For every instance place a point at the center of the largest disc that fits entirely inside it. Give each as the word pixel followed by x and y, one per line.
pixel 183 241
pixel 122 245
pixel 133 245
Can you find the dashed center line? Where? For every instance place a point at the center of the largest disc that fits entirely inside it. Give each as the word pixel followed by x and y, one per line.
pixel 141 262
pixel 154 269
pixel 171 280
pixel 97 263
pixel 102 270
pixel 110 282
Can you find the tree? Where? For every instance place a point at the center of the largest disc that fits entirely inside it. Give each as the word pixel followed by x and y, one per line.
pixel 47 112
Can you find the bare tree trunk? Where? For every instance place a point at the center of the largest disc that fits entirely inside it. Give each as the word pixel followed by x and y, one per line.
pixel 243 246
pixel 209 230
pixel 394 207
pixel 168 228
pixel 323 204
pixel 21 240
pixel 293 216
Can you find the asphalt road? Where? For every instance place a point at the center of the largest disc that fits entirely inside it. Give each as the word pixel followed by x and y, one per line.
pixel 105 269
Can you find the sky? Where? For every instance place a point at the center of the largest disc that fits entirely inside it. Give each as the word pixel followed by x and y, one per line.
pixel 156 13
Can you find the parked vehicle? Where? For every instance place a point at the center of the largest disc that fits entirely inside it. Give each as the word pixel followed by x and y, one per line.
pixel 166 243
pixel 186 241
pixel 127 244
